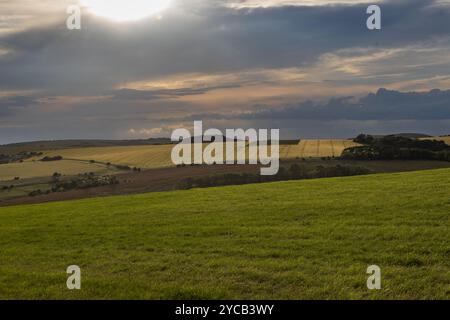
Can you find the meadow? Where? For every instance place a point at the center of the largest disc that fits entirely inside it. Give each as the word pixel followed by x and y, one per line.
pixel 310 239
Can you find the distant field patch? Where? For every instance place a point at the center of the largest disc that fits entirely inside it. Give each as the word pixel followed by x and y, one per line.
pixel 445 139
pixel 155 156
pixel 146 157
pixel 159 156
pixel 33 169
pixel 316 148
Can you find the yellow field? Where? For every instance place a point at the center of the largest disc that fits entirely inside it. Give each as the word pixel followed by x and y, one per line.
pixel 148 157
pixel 156 156
pixel 445 139
pixel 316 148
pixel 30 169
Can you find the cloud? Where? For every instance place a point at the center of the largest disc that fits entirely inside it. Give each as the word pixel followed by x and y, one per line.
pixel 281 3
pixel 157 132
pixel 10 104
pixel 232 62
pixel 146 95
pixel 382 105
pixel 210 40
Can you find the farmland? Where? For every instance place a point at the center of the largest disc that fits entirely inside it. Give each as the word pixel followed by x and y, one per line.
pixel 158 156
pixel 316 148
pixel 147 157
pixel 446 139
pixel 33 169
pixel 169 179
pixel 30 181
pixel 309 239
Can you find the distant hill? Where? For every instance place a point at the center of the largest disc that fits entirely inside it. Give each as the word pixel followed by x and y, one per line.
pixel 409 135
pixel 15 148
pixel 412 135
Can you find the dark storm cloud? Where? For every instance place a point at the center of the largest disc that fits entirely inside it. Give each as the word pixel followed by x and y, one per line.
pixel 12 103
pixel 209 39
pixel 383 105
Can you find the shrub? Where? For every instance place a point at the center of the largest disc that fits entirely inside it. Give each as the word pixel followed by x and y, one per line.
pixel 123 167
pixel 295 172
pixel 55 158
pixel 88 180
pixel 35 193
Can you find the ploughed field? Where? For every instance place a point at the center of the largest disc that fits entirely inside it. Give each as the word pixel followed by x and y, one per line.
pixel 306 239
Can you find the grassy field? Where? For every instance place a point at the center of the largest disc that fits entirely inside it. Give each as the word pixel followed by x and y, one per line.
pixel 301 239
pixel 32 169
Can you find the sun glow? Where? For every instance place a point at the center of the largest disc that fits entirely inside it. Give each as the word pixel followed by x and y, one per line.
pixel 125 10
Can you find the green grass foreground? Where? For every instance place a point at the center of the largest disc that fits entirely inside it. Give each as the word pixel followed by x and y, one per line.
pixel 309 239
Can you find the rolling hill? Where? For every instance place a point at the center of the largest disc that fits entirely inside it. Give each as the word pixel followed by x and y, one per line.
pixel 158 156
pixel 311 239
pixel 14 148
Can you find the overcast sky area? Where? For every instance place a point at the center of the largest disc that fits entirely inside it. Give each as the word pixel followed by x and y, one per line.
pixel 308 67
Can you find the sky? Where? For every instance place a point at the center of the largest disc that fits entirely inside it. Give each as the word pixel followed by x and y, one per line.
pixel 310 68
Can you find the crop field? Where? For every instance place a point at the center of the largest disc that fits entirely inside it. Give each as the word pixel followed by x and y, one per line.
pixel 445 139
pixel 147 157
pixel 159 156
pixel 316 148
pixel 310 239
pixel 154 156
pixel 32 169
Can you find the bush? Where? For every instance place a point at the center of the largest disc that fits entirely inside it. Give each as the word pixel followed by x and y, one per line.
pixel 55 158
pixel 88 180
pixel 123 167
pixel 35 193
pixel 295 172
